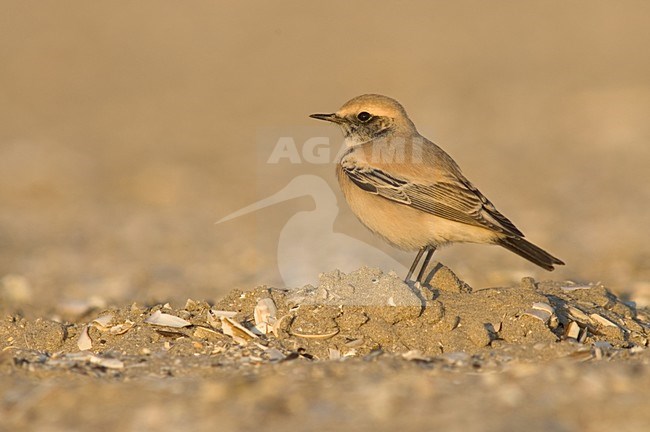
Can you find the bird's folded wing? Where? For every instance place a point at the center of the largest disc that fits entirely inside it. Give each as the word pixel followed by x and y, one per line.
pixel 455 199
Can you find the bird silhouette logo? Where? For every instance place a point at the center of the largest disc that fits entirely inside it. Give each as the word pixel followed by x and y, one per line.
pixel 308 244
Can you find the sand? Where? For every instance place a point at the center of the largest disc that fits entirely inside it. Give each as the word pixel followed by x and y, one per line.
pixel 362 350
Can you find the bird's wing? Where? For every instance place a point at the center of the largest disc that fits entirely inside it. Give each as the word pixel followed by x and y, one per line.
pixel 451 197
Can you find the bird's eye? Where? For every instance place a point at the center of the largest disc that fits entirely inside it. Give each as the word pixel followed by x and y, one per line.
pixel 364 116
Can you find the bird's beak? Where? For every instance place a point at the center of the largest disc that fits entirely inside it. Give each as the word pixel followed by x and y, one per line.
pixel 327 117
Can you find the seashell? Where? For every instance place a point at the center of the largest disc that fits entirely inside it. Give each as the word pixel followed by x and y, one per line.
pixel 315 336
pixel 84 342
pixel 265 315
pixel 214 317
pixel 583 335
pixel 573 330
pixel 575 287
pixel 103 321
pixel 391 301
pixel 544 307
pixel 190 305
pixel 602 320
pixel 572 286
pixel 238 332
pixel 275 328
pixel 541 315
pixel 108 363
pixel 354 343
pixel 121 328
pixel 162 319
pixel 222 313
pixel 578 315
pixel 170 333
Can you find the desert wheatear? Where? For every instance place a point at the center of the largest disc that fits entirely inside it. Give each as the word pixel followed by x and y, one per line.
pixel 409 191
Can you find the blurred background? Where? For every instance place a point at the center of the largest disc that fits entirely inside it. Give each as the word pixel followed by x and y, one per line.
pixel 127 129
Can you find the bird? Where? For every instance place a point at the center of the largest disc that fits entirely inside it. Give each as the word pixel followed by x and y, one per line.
pixel 410 192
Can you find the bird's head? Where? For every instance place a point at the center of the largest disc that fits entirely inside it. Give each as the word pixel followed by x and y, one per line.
pixel 370 116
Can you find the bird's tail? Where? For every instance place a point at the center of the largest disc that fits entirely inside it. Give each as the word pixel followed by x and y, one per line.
pixel 532 253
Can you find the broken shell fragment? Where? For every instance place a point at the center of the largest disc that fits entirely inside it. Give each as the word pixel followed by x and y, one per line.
pixel 108 363
pixel 121 328
pixel 573 330
pixel 103 321
pixel 238 332
pixel 214 316
pixel 190 304
pixel 276 326
pixel 162 319
pixel 315 336
pixel 583 335
pixel 579 315
pixel 575 287
pixel 602 320
pixel 84 342
pixel 544 307
pixel 265 315
pixel 354 343
pixel 541 315
pixel 541 311
pixel 222 313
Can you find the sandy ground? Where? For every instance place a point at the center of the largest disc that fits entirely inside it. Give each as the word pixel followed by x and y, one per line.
pixel 362 350
pixel 129 129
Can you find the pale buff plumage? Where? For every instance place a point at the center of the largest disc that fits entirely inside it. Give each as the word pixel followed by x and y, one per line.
pixel 409 191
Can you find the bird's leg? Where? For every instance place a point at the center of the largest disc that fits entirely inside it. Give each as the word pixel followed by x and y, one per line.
pixel 425 264
pixel 414 265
